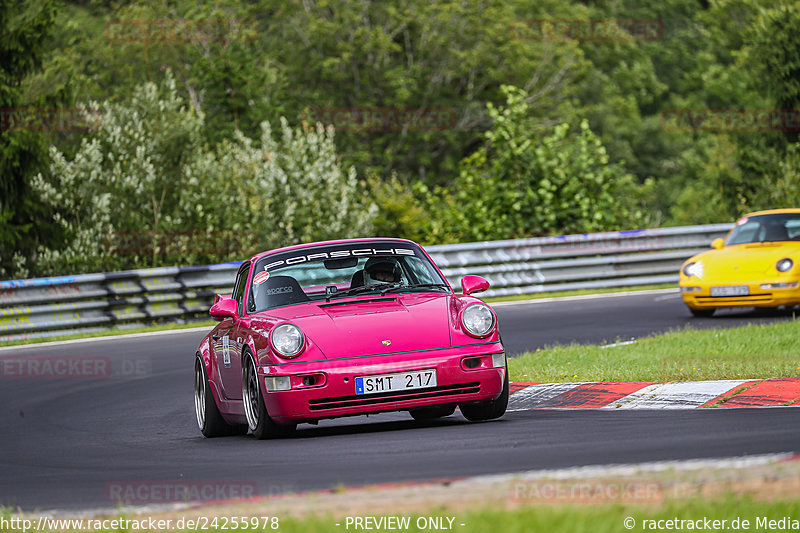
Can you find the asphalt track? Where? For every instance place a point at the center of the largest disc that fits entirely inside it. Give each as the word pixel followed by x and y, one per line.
pixel 69 443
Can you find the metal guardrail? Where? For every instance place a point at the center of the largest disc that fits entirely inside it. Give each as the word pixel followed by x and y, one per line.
pixel 63 305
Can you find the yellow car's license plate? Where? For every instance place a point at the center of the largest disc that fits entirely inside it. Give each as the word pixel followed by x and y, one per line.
pixel 734 290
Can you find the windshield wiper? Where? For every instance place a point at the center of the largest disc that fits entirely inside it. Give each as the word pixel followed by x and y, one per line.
pixel 352 292
pixel 384 288
pixel 395 286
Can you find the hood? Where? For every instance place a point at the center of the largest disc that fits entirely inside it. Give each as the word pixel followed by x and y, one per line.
pixel 353 327
pixel 743 260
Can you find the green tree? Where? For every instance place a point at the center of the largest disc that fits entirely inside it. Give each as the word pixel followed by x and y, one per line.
pixel 145 190
pixel 526 183
pixel 740 171
pixel 449 56
pixel 286 186
pixel 769 160
pixel 24 222
pixel 123 187
pixel 776 55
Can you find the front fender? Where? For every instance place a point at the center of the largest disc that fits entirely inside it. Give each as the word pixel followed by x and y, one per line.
pixel 204 351
pixel 251 345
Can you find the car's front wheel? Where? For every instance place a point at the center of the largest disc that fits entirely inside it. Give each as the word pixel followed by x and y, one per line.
pixel 490 410
pixel 209 419
pixel 258 420
pixel 702 313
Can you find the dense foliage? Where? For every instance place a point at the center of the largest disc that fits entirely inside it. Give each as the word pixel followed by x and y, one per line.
pixel 519 183
pixel 453 121
pixel 144 189
pixel 24 223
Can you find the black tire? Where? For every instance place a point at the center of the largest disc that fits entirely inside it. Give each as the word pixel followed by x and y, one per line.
pixel 258 420
pixel 209 419
pixel 489 410
pixel 702 313
pixel 431 413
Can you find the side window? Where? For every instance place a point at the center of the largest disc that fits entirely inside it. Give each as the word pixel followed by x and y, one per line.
pixel 238 289
pixel 793 229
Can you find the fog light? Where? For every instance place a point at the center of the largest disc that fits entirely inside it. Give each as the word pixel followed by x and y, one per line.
pixel 473 362
pixel 499 360
pixel 308 380
pixel 278 383
pixel 690 289
pixel 787 285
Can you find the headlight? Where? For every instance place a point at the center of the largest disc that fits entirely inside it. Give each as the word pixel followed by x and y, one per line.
pixel 478 320
pixel 287 339
pixel 784 265
pixel 693 269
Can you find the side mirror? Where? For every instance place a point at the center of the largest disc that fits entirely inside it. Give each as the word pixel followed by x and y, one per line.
pixel 717 244
pixel 473 284
pixel 224 308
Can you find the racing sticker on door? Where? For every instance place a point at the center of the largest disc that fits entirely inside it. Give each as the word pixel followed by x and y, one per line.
pixel 226 351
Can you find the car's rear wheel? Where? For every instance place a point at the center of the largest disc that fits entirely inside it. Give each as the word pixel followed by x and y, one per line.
pixel 258 419
pixel 490 410
pixel 702 313
pixel 209 419
pixel 430 413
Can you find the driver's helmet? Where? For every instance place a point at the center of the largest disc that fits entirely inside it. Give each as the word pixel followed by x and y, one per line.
pixel 381 270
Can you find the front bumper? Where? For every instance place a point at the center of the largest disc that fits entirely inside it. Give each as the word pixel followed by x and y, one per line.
pixel 334 395
pixel 757 297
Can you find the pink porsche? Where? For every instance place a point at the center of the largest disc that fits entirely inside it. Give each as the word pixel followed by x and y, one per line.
pixel 342 328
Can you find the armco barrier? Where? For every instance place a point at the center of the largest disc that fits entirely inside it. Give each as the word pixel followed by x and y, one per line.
pixel 45 307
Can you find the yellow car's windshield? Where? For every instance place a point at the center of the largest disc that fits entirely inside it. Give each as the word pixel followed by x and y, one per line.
pixel 766 228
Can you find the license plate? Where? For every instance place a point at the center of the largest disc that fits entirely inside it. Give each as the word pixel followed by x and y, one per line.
pixel 398 381
pixel 735 290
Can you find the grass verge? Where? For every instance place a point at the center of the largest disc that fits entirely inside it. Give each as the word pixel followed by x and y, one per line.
pixel 752 351
pixel 675 516
pixel 606 519
pixel 592 519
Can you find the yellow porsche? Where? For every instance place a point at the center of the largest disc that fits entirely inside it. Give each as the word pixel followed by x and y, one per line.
pixel 756 265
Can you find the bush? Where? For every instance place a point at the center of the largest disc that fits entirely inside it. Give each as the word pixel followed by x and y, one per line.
pixel 527 181
pixel 144 191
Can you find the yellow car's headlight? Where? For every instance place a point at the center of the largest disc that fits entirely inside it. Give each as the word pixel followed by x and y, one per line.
pixel 784 265
pixel 695 268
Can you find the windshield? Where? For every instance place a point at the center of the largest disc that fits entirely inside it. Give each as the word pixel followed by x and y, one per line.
pixel 766 228
pixel 321 273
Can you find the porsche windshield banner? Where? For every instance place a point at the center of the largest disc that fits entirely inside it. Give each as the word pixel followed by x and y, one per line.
pixel 336 254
